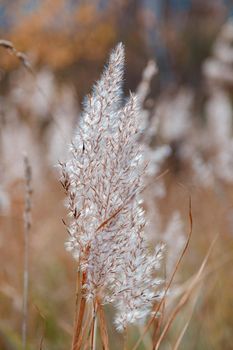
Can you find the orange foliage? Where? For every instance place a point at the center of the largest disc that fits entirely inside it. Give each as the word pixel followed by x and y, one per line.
pixel 57 36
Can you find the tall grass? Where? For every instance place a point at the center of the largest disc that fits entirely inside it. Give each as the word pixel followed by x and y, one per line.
pixel 123 207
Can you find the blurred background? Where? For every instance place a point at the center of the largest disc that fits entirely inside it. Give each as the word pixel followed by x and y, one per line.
pixel 187 110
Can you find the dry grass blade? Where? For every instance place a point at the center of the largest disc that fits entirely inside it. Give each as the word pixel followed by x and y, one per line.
pixel 185 297
pixel 204 275
pixel 157 308
pixel 42 336
pixel 43 327
pixel 221 262
pixel 158 324
pixel 177 344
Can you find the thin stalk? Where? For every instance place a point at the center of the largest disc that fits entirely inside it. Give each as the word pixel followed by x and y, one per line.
pixel 158 324
pixel 27 228
pixel 85 336
pixel 78 294
pixel 76 345
pixel 78 325
pixel 94 331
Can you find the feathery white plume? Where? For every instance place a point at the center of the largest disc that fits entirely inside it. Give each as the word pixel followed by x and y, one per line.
pixel 103 179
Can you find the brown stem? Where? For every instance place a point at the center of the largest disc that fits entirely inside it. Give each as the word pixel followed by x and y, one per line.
pixel 158 322
pixel 78 325
pixel 78 294
pixel 85 336
pixel 76 343
pixel 93 326
pixel 103 327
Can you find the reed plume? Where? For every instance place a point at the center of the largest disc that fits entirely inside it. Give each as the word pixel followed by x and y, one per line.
pixel 103 179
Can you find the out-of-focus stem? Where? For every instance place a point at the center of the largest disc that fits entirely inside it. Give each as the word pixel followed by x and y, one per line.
pixel 27 228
